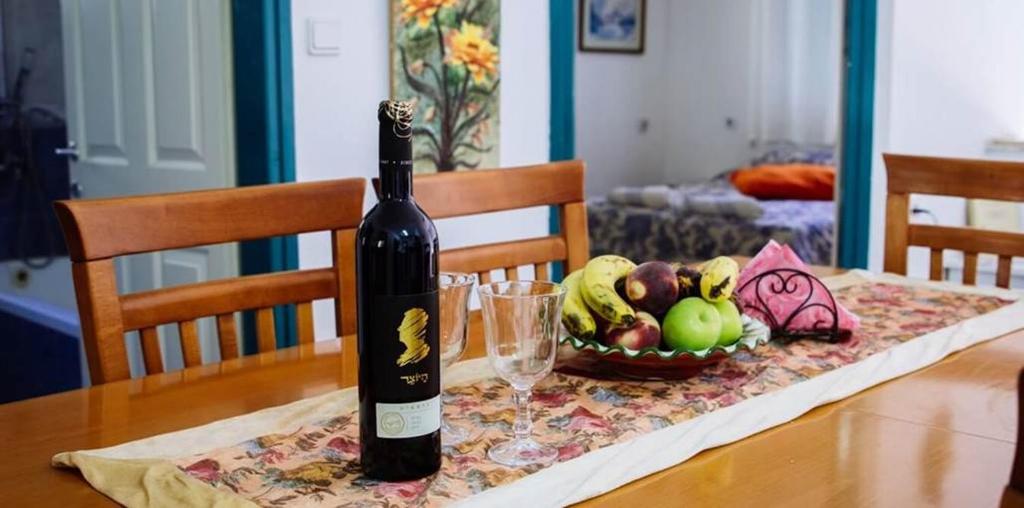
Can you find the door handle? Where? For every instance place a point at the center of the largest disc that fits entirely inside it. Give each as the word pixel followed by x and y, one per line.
pixel 70 151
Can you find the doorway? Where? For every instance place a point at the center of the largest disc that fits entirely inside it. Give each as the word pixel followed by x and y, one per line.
pixel 144 99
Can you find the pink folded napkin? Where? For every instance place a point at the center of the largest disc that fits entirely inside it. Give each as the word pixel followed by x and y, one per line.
pixel 782 304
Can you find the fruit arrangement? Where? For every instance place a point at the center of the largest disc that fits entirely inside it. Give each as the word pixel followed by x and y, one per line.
pixel 654 305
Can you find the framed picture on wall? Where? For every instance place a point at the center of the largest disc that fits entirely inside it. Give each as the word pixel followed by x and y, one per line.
pixel 612 25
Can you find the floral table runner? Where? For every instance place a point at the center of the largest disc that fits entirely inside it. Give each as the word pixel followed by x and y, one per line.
pixel 607 432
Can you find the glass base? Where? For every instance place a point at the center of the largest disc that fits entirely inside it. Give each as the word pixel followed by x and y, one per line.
pixel 526 452
pixel 452 435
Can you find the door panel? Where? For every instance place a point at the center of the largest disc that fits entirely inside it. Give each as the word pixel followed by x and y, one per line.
pixel 99 30
pixel 149 97
pixel 176 108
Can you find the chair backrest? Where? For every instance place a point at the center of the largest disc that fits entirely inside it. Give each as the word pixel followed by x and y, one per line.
pixel 98 230
pixel 972 179
pixel 462 193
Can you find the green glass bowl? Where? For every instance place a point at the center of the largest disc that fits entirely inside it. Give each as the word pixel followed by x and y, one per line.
pixel 595 359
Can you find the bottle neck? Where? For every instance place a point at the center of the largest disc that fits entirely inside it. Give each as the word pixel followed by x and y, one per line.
pixel 396 179
pixel 395 156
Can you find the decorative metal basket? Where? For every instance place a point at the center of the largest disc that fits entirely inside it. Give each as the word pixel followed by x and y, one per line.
pixel 792 283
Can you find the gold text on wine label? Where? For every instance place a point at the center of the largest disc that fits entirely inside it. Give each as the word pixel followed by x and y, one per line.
pixel 412 333
pixel 412 379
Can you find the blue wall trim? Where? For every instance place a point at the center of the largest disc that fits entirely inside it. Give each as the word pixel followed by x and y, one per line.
pixel 563 120
pixel 858 127
pixel 264 134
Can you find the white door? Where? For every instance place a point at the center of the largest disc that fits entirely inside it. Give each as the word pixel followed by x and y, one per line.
pixel 149 106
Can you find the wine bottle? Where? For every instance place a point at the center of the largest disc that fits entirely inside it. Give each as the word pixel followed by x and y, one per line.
pixel 397 305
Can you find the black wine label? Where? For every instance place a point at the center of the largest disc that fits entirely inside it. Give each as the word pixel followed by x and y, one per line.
pixel 406 356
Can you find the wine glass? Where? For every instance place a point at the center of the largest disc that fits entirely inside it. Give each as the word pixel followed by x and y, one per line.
pixel 454 301
pixel 521 323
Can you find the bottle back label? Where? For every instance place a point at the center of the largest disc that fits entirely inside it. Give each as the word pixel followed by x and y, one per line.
pixel 411 419
pixel 406 365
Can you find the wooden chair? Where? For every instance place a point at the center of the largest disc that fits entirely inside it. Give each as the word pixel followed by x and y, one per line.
pixel 458 194
pixel 99 230
pixel 972 179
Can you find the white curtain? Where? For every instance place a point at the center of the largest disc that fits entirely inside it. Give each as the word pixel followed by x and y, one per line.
pixel 797 68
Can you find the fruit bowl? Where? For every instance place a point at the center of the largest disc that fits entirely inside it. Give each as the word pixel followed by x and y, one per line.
pixel 594 359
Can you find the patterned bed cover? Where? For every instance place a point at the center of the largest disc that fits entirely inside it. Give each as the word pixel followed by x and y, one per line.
pixel 644 234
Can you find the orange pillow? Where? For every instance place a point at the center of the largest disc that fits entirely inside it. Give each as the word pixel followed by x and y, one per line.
pixel 787 181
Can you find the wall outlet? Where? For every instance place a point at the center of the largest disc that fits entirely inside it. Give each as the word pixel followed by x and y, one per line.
pixel 20 277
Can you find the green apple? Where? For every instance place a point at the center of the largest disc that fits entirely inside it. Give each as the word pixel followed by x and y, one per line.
pixel 692 325
pixel 732 324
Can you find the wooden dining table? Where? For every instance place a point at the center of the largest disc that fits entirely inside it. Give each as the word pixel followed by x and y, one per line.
pixel 942 436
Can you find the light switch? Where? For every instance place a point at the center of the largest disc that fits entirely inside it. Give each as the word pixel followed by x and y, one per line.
pixel 323 37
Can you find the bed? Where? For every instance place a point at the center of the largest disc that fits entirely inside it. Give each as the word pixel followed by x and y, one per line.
pixel 643 233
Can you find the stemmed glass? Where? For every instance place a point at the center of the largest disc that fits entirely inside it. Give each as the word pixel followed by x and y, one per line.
pixel 454 302
pixel 521 323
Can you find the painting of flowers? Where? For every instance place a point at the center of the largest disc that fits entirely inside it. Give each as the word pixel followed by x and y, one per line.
pixel 445 58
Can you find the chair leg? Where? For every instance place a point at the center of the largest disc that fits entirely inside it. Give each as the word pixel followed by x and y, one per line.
pixel 1013 495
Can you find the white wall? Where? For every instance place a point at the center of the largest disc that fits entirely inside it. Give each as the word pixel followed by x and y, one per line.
pixel 614 95
pixel 335 114
pixel 950 78
pixel 710 70
pixel 771 67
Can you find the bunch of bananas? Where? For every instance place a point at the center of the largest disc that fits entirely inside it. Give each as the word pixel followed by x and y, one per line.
pixel 595 295
pixel 591 291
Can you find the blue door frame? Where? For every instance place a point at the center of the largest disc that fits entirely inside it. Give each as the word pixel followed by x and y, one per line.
pixel 264 135
pixel 562 146
pixel 858 128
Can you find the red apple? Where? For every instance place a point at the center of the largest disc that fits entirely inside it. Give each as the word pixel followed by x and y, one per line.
pixel 653 287
pixel 644 332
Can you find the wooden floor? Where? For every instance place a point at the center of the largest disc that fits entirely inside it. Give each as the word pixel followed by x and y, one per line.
pixel 942 436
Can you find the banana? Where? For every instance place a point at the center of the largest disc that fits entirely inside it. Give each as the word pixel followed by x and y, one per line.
pixel 598 288
pixel 575 315
pixel 718 279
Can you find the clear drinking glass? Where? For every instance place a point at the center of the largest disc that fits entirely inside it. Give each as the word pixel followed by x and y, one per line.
pixel 454 301
pixel 521 323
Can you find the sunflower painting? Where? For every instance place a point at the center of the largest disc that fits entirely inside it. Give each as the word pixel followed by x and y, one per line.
pixel 444 57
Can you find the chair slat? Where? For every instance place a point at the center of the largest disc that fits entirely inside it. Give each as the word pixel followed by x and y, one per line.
pixel 970 267
pixel 485 277
pixel 189 334
pixel 499 255
pixel 935 267
pixel 1003 271
pixel 304 325
pixel 512 273
pixel 227 336
pixel 540 271
pixel 266 335
pixel 181 303
pixel 344 262
pixel 150 342
pixel 574 219
pixel 1001 243
pixel 897 213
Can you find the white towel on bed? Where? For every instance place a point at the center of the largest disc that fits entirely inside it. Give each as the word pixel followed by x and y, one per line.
pixel 711 198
